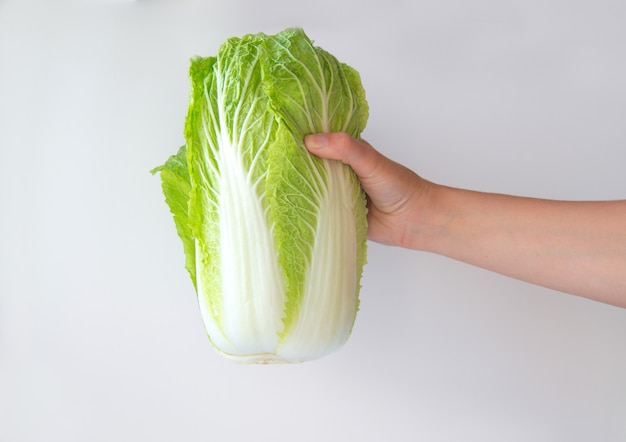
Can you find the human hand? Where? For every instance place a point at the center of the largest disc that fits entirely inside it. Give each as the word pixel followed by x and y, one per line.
pixel 395 194
pixel 576 247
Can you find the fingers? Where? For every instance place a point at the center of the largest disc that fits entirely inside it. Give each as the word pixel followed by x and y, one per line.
pixel 358 154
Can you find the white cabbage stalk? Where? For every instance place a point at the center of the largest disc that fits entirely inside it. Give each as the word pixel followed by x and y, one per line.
pixel 274 237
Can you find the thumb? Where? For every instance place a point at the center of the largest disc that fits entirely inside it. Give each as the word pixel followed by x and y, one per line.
pixel 358 154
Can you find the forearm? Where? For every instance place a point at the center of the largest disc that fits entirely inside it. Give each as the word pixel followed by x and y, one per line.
pixel 574 247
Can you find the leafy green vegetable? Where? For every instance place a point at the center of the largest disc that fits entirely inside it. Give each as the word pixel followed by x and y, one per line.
pixel 274 238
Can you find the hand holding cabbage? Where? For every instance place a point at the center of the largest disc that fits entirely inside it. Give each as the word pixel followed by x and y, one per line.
pixel 577 247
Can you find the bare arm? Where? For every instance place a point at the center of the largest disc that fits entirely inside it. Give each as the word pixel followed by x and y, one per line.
pixel 575 247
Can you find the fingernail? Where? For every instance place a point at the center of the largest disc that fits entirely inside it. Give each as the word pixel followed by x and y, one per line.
pixel 316 141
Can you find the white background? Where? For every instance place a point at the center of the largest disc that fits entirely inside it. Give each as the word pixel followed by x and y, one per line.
pixel 100 334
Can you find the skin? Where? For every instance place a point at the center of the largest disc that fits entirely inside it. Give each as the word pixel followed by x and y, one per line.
pixel 576 247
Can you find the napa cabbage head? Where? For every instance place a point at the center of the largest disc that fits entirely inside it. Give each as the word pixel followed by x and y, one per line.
pixel 274 238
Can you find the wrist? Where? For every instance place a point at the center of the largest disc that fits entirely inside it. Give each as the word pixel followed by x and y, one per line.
pixel 428 217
